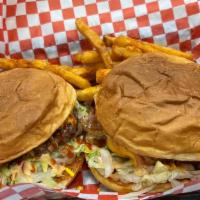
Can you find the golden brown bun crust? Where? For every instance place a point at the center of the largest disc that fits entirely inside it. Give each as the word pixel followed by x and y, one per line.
pixel 111 184
pixel 33 104
pixel 150 104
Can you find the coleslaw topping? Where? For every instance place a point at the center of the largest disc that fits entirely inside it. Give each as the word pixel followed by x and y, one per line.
pixel 121 169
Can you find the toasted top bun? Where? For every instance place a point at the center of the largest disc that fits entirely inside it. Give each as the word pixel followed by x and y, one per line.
pixel 150 105
pixel 33 104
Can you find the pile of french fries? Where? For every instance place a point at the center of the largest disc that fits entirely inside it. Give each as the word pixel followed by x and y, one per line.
pixel 94 64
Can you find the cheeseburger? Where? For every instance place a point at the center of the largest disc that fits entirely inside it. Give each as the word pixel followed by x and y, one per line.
pixel 39 117
pixel 149 110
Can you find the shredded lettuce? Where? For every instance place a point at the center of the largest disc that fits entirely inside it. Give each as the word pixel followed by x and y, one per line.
pixel 45 162
pixel 4 175
pixel 50 183
pixel 160 167
pixel 82 110
pixel 79 148
pixel 56 154
pixel 41 169
pixel 94 160
pixel 127 173
pixel 93 156
pixel 4 171
pixel 82 148
pixel 43 174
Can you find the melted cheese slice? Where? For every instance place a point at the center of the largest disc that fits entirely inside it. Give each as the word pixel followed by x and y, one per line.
pixel 123 152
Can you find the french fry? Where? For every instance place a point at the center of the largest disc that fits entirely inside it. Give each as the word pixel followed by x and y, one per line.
pixel 88 93
pixel 149 47
pixel 62 71
pixel 92 57
pixel 125 52
pixel 171 51
pixel 133 49
pixel 108 40
pixel 116 63
pixel 21 63
pixel 69 76
pixel 101 74
pixel 7 63
pixel 12 63
pixel 88 57
pixel 98 65
pixel 95 41
pixel 123 41
pixel 39 64
pixel 105 55
pixel 87 72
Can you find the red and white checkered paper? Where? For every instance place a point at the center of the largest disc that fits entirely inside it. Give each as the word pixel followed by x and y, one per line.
pixel 45 29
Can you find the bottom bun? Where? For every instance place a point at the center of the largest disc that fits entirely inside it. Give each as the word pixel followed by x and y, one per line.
pixel 111 184
pixel 118 186
pixel 162 187
pixel 75 167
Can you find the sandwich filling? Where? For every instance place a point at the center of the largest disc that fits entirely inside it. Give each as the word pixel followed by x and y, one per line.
pixel 49 164
pixel 150 173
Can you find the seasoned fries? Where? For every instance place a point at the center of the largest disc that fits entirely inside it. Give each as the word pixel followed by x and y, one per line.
pixel 92 57
pixel 39 64
pixel 88 93
pixel 123 41
pixel 97 63
pixel 108 40
pixel 87 72
pixel 149 47
pixel 88 57
pixel 171 51
pixel 62 71
pixel 95 41
pixel 7 63
pixel 11 64
pixel 125 52
pixel 101 74
pixel 72 78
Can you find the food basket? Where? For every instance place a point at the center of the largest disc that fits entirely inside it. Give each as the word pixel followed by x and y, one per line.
pixel 45 29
